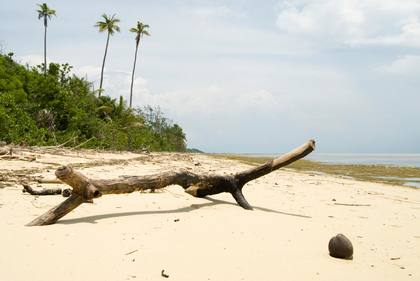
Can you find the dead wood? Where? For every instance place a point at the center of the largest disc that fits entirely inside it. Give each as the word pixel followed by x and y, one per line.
pixel 49 191
pixel 4 151
pixel 198 185
pixel 353 205
pixel 48 181
pixel 145 149
pixel 83 143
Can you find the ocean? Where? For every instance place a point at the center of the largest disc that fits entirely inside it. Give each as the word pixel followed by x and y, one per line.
pixel 395 159
pixel 398 159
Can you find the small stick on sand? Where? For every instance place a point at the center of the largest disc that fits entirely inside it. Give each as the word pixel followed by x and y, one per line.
pixel 355 205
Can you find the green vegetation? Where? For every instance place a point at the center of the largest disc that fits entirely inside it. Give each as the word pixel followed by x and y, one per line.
pixel 45 105
pixel 376 173
pixel 194 150
pixel 55 107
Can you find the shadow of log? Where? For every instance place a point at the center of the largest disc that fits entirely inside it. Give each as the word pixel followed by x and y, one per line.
pixel 213 202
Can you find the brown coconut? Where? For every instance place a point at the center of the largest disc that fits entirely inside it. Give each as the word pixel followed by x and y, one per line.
pixel 340 247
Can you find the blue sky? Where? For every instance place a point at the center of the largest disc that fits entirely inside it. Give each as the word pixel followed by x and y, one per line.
pixel 248 76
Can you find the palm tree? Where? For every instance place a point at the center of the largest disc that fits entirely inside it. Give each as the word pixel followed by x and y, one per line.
pixel 45 13
pixel 140 30
pixel 108 25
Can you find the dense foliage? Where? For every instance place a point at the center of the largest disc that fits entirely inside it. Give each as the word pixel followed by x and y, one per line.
pixel 55 107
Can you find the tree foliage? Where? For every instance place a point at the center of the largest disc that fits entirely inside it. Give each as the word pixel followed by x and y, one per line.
pixel 52 108
pixel 164 133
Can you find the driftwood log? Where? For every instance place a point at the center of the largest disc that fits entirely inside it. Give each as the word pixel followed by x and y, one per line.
pixel 85 189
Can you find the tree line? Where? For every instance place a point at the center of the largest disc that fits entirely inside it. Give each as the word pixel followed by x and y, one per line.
pixel 48 106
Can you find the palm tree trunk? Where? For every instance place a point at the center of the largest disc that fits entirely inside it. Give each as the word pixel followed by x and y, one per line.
pixel 45 46
pixel 103 65
pixel 132 75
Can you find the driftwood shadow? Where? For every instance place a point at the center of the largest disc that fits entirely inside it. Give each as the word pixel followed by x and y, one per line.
pixel 260 208
pixel 213 202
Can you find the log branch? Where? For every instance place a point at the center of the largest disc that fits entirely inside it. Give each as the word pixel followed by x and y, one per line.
pixel 49 191
pixel 198 185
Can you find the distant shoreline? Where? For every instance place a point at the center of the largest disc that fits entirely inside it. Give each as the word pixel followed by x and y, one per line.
pixel 398 159
pixel 391 169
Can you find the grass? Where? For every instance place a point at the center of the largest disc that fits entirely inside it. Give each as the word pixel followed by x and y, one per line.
pixel 390 174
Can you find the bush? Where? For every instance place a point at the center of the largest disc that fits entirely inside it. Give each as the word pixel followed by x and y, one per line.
pixel 52 108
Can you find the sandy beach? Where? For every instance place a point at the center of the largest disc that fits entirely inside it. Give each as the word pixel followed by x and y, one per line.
pixel 137 236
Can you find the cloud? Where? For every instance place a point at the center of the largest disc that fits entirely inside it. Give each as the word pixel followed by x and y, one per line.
pixel 304 95
pixel 258 100
pixel 406 65
pixel 204 101
pixel 92 72
pixel 32 60
pixel 352 22
pixel 214 12
pixel 141 93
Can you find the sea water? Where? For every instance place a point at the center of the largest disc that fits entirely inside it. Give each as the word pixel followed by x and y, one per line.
pixel 398 159
pixel 395 159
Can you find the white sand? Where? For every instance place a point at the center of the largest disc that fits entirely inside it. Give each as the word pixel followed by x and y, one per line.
pixel 136 236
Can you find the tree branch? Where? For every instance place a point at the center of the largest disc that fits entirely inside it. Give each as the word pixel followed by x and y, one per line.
pixel 85 189
pixel 49 191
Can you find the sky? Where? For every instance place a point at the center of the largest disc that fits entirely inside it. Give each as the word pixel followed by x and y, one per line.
pixel 247 76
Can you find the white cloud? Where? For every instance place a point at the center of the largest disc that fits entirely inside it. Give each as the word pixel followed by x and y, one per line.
pixel 203 101
pixel 406 65
pixel 141 93
pixel 217 12
pixel 353 21
pixel 214 12
pixel 32 60
pixel 92 72
pixel 260 100
pixel 307 96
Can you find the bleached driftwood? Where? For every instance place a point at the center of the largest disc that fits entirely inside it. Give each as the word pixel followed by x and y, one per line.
pixel 85 189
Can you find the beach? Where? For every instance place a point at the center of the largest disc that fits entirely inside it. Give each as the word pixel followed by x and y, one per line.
pixel 169 234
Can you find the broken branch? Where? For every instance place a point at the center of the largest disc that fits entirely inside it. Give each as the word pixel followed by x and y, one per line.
pixel 85 189
pixel 49 191
pixel 356 205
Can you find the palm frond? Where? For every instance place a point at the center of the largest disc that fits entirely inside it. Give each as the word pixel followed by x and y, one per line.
pixel 45 12
pixel 105 108
pixel 108 25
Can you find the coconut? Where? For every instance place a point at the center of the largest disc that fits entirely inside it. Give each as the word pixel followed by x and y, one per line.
pixel 340 247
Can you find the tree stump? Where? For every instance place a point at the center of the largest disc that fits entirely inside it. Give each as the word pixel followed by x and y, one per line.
pixel 198 185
